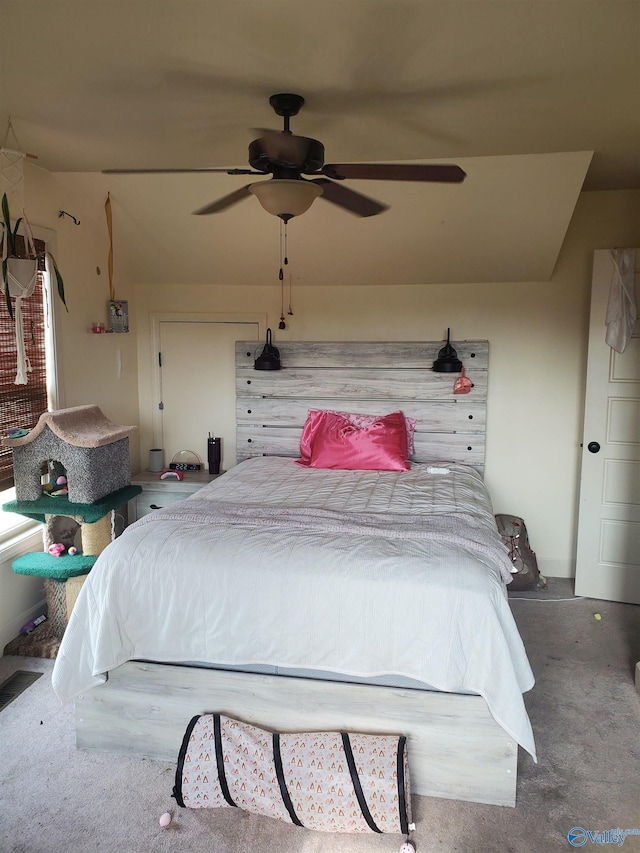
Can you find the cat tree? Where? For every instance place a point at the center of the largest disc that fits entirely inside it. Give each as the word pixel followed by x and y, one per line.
pixel 94 453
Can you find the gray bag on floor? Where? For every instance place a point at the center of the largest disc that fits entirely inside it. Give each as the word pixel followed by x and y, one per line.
pixel 514 534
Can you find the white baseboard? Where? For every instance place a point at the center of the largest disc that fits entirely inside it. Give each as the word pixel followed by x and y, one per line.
pixel 11 630
pixel 556 568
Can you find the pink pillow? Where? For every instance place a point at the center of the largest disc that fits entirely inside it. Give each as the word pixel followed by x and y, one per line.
pixel 365 420
pixel 360 420
pixel 329 440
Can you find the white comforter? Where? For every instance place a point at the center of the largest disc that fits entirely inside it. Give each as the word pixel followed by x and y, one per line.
pixel 358 572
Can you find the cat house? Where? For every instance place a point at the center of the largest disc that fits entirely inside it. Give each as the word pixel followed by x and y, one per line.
pixel 92 450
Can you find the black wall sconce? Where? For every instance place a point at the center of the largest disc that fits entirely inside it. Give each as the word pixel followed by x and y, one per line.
pixel 269 358
pixel 447 360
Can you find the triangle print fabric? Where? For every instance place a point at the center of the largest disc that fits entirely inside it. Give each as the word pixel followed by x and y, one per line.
pixel 328 781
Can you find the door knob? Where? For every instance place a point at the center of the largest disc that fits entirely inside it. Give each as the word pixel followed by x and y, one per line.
pixel 593 447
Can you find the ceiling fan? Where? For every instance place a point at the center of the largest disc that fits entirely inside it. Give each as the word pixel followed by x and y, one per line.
pixel 287 157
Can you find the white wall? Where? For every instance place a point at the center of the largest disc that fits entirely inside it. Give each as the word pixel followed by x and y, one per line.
pixel 21 597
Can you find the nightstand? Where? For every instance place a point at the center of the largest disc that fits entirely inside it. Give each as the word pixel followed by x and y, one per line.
pixel 157 493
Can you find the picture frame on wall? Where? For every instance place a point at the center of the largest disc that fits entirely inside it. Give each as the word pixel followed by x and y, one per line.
pixel 118 315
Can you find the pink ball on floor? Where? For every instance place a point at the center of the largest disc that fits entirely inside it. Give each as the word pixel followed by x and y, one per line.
pixel 165 819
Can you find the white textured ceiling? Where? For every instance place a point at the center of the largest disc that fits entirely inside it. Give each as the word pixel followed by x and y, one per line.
pixel 517 89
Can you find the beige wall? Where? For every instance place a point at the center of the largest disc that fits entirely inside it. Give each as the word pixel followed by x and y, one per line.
pixel 88 364
pixel 537 333
pixel 100 369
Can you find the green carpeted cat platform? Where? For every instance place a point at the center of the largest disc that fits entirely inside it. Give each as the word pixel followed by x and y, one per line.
pixel 44 565
pixel 61 505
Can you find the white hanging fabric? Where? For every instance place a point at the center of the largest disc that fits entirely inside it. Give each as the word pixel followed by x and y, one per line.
pixel 621 308
pixel 23 364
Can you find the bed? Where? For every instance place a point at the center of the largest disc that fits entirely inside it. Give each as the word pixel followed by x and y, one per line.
pixel 300 598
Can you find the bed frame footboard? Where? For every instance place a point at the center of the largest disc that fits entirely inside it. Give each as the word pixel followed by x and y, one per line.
pixel 456 749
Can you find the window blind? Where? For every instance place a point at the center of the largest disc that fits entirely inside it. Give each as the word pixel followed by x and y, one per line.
pixel 22 405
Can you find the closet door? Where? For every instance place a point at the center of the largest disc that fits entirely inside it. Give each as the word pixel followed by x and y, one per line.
pixel 608 550
pixel 197 384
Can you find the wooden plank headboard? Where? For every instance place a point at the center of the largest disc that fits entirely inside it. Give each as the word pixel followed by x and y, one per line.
pixel 369 378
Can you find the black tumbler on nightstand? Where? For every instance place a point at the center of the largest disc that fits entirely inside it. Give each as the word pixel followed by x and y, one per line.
pixel 213 455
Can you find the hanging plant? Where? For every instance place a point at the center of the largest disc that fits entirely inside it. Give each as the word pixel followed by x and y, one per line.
pixel 21 269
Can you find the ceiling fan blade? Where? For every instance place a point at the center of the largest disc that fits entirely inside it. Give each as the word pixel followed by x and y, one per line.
pixel 178 171
pixel 345 197
pixel 395 172
pixel 224 203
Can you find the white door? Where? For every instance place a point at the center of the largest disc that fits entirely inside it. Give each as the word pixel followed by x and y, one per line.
pixel 197 378
pixel 608 549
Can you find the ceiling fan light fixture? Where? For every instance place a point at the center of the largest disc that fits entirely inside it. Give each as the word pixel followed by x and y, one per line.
pixel 286 198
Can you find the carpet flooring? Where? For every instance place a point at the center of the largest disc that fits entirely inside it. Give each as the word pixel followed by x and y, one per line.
pixel 584 709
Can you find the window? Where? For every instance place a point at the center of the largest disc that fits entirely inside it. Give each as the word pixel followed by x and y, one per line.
pixel 22 405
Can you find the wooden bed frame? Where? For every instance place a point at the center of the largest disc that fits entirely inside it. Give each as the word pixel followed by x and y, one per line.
pixel 456 749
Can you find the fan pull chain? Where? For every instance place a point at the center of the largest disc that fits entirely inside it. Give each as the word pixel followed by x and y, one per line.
pixel 284 260
pixel 282 324
pixel 284 246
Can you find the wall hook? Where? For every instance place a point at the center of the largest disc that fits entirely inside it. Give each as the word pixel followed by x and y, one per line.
pixel 62 213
